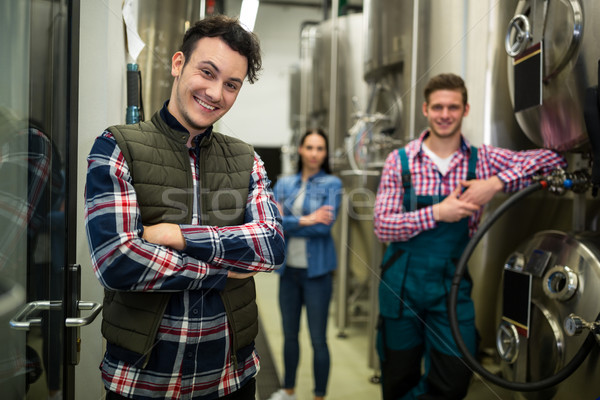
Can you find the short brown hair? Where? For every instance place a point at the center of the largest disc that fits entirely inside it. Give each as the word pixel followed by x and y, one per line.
pixel 446 82
pixel 231 31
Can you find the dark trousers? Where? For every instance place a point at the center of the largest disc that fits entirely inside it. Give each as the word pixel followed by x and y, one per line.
pixel 447 379
pixel 296 289
pixel 246 392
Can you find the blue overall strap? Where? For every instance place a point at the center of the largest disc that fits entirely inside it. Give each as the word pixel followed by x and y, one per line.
pixel 472 164
pixel 406 177
pixel 395 254
pixel 409 197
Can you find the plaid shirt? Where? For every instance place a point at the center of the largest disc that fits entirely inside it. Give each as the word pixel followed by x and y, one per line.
pixel 513 168
pixel 191 358
pixel 24 154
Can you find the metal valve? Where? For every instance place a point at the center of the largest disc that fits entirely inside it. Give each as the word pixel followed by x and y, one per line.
pixel 518 35
pixel 574 325
pixel 560 181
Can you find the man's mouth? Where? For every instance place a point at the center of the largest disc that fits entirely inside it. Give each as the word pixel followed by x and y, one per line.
pixel 203 104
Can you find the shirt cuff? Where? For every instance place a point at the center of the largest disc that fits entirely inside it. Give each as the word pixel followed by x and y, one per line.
pixel 507 177
pixel 427 219
pixel 201 241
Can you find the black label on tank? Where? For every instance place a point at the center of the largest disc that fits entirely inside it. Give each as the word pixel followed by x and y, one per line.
pixel 516 303
pixel 528 78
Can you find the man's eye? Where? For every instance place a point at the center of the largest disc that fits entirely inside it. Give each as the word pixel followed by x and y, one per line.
pixel 207 72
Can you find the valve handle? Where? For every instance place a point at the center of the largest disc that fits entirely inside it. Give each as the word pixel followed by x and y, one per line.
pixel 522 35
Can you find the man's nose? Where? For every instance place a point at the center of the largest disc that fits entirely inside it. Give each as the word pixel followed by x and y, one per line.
pixel 214 90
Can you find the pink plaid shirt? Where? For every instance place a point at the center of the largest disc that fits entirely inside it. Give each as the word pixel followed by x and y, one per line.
pixel 513 168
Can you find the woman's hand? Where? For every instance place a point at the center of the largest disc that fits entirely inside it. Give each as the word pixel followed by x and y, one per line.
pixel 323 215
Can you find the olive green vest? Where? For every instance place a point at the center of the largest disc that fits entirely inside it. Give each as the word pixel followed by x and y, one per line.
pixel 160 168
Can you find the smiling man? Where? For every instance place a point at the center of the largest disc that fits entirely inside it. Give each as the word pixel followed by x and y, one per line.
pixel 179 218
pixel 428 205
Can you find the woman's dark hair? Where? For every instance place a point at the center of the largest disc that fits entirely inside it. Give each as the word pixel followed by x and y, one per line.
pixel 231 31
pixel 325 166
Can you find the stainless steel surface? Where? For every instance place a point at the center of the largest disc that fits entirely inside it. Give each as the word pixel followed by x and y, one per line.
pixel 161 25
pixel 334 67
pixel 387 59
pixel 549 346
pixel 308 84
pixel 386 37
pixel 341 91
pixel 569 31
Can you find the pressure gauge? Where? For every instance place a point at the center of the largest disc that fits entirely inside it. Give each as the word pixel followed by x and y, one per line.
pixel 573 325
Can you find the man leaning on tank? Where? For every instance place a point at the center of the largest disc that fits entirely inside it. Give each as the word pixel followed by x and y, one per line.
pixel 428 204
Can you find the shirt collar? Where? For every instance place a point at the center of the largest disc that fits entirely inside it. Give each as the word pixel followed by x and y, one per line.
pixel 465 147
pixel 172 122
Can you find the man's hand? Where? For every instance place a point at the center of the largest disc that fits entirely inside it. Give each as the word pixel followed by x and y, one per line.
pixel 481 191
pixel 240 275
pixel 453 209
pixel 323 215
pixel 165 235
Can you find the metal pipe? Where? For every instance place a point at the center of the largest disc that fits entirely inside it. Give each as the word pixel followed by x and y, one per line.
pixel 413 70
pixel 292 3
pixel 202 9
pixel 333 77
pixel 342 275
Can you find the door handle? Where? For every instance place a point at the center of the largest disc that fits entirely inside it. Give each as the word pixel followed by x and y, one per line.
pixel 75 322
pixel 27 316
pixel 25 319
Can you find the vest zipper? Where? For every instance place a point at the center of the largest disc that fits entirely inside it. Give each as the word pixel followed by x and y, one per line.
pixel 201 171
pixel 233 344
pixel 204 220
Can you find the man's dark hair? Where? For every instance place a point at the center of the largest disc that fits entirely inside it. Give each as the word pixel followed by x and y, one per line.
pixel 446 82
pixel 231 31
pixel 325 166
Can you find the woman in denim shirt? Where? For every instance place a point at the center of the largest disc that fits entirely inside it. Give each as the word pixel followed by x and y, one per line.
pixel 309 202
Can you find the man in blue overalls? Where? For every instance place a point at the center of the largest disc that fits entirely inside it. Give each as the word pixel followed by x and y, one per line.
pixel 428 205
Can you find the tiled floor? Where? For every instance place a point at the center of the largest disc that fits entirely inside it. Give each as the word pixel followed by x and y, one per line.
pixel 350 372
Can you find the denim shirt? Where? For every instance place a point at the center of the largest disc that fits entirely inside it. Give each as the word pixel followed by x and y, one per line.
pixel 321 189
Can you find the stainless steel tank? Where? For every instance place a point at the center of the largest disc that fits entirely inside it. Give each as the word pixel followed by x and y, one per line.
pixel 161 26
pixel 563 271
pixel 339 92
pixel 554 57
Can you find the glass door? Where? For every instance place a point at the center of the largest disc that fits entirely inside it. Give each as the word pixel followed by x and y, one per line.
pixel 39 303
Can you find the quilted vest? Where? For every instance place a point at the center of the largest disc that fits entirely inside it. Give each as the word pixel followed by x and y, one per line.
pixel 159 165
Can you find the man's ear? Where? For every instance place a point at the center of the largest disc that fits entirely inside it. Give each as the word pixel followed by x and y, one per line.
pixel 425 108
pixel 177 62
pixel 467 108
